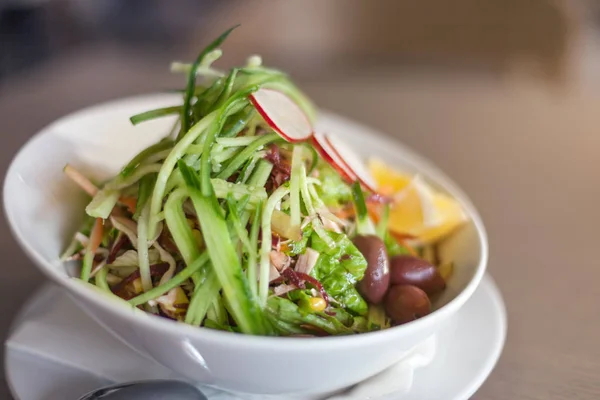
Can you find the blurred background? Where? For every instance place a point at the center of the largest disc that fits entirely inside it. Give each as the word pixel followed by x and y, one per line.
pixel 310 38
pixel 501 94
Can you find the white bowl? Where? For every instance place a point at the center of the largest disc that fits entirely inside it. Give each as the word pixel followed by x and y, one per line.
pixel 44 209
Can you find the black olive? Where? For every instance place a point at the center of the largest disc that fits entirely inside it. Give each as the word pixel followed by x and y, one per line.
pixel 376 281
pixel 410 270
pixel 405 303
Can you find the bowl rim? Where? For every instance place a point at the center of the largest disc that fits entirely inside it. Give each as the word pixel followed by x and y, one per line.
pixel 240 340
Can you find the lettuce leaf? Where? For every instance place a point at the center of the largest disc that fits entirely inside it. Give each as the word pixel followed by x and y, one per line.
pixel 298 247
pixel 333 191
pixel 339 269
pixel 282 309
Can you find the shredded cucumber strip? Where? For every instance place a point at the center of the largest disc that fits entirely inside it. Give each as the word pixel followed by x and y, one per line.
pixel 86 268
pixel 177 280
pixel 179 228
pixel 313 193
pixel 182 234
pixel 206 62
pixel 259 178
pixel 223 256
pixel 225 154
pixel 265 246
pixel 248 152
pixel 320 230
pixel 364 225
pixel 144 191
pixel 156 157
pixel 236 141
pixel 203 298
pixel 316 222
pixel 120 182
pixel 204 67
pixel 153 114
pixel 195 149
pixel 205 102
pixel 223 188
pixel 103 203
pixel 169 164
pixel 174 181
pixel 231 107
pixel 143 259
pixel 71 250
pixel 163 145
pixel 227 88
pixel 237 122
pixel 261 174
pixel 220 313
pixel 306 198
pixel 200 302
pixel 239 228
pixel 247 170
pixel 100 279
pixel 251 266
pixel 295 217
pixel 382 227
pixel 191 84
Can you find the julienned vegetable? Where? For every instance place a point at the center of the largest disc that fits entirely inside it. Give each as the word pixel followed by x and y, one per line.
pixel 246 220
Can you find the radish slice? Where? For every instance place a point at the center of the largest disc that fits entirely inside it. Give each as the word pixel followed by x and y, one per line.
pixel 352 162
pixel 282 114
pixel 324 148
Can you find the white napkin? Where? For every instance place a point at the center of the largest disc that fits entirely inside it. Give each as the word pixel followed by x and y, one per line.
pixel 53 328
pixel 395 380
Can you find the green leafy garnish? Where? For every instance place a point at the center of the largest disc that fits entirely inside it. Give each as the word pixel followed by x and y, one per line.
pixel 191 85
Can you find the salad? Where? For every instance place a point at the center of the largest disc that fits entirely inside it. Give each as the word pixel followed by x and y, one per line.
pixel 245 219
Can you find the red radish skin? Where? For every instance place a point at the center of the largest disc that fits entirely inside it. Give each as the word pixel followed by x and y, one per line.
pixel 282 114
pixel 322 146
pixel 352 162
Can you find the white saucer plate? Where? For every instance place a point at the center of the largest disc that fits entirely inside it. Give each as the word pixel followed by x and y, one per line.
pixel 467 349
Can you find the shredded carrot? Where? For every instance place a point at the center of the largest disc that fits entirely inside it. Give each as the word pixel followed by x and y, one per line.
pixel 374 210
pixel 96 235
pixel 345 213
pixel 410 249
pixel 129 202
pixel 81 180
pixel 402 236
pixel 402 239
pixel 91 189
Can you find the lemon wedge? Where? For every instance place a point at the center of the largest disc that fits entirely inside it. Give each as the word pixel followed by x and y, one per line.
pixel 388 181
pixel 417 209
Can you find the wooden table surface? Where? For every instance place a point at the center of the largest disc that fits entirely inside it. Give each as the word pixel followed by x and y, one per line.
pixel 527 156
